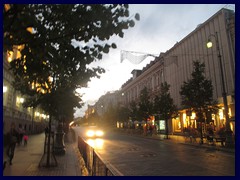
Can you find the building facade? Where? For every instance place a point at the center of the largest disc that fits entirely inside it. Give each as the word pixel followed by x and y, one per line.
pixel 176 65
pixel 29 119
pixel 106 102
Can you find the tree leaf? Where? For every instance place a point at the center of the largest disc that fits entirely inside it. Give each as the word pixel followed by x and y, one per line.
pixel 131 23
pixel 137 16
pixel 114 46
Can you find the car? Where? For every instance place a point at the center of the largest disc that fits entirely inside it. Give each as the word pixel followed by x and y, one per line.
pixel 94 132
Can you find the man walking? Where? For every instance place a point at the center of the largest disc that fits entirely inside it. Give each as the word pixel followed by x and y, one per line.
pixel 12 140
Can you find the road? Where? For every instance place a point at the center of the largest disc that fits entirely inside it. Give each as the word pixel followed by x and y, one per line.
pixel 136 156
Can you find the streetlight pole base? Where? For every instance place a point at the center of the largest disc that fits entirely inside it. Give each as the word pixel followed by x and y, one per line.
pixel 229 143
pixel 59 148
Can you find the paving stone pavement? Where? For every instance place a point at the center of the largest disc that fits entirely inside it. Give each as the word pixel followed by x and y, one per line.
pixel 26 159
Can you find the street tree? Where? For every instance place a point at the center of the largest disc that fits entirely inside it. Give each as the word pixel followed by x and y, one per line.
pixel 57 43
pixel 197 94
pixel 110 115
pixel 133 111
pixel 122 113
pixel 145 105
pixel 164 106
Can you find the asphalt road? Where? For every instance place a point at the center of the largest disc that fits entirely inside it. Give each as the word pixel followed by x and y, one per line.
pixel 136 156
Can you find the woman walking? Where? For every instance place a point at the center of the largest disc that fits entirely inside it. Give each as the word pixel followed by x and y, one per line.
pixel 25 139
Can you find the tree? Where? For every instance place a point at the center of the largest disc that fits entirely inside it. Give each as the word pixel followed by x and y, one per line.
pixel 110 116
pixel 164 105
pixel 122 113
pixel 133 111
pixel 145 105
pixel 197 93
pixel 48 36
pixel 57 42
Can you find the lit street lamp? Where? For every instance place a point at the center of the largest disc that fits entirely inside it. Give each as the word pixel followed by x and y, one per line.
pixel 5 89
pixel 224 94
pixel 102 110
pixel 21 100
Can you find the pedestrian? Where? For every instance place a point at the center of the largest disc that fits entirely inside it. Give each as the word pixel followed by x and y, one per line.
pixel 4 164
pixel 13 137
pixel 150 130
pixel 21 133
pixel 46 130
pixel 25 139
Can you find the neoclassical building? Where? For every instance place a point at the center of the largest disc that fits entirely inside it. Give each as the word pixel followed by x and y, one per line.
pixel 176 65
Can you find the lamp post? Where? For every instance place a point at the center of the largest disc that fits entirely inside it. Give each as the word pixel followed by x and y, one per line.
pixel 59 148
pixel 5 89
pixel 102 112
pixel 229 140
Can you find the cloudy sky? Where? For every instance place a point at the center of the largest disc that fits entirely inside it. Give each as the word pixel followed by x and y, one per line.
pixel 159 28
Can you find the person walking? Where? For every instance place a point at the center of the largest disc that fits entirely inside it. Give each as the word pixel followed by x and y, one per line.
pixel 12 140
pixel 46 130
pixel 4 164
pixel 25 139
pixel 21 133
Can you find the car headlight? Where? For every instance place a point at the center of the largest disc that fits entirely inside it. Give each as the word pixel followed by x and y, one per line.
pixel 99 133
pixel 90 133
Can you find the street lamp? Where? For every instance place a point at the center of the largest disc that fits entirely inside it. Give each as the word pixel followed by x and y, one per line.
pixel 102 109
pixel 224 94
pixel 5 89
pixel 21 100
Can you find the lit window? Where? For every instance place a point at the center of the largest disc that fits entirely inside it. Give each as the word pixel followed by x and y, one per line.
pixel 37 114
pixel 9 56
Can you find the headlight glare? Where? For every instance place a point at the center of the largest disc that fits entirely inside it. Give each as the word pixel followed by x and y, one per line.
pixel 90 133
pixel 99 133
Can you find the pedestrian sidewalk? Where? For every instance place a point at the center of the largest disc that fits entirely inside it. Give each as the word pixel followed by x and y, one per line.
pixel 27 158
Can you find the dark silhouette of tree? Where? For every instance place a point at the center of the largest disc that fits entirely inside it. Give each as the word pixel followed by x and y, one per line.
pixel 110 116
pixel 197 94
pixel 57 42
pixel 145 105
pixel 164 105
pixel 123 114
pixel 60 41
pixel 134 113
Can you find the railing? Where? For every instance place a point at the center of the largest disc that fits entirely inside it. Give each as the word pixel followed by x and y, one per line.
pixel 94 163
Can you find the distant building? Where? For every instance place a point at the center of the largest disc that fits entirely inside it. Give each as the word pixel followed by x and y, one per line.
pixel 107 101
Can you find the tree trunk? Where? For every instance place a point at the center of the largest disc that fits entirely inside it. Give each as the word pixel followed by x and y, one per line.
pixel 49 142
pixel 166 130
pixel 59 148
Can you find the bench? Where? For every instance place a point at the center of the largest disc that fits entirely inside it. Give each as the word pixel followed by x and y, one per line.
pixel 190 138
pixel 220 139
pixel 210 139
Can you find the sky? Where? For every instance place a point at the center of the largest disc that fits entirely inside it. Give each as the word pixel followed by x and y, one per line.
pixel 159 28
